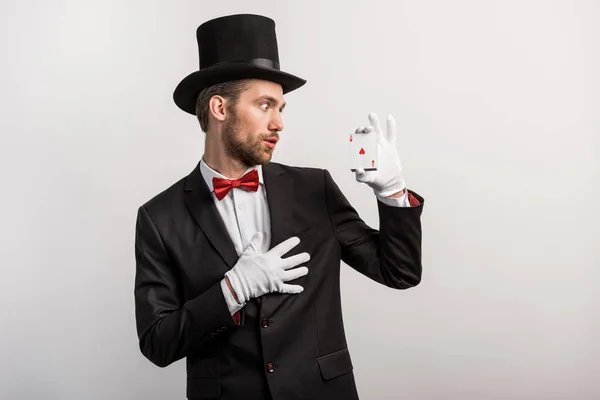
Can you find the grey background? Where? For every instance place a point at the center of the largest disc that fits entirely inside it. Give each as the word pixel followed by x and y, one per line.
pixel 498 118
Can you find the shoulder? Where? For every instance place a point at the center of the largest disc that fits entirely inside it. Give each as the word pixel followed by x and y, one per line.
pixel 295 171
pixel 312 182
pixel 166 197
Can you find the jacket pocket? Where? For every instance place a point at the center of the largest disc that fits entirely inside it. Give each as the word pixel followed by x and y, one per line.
pixel 204 388
pixel 335 364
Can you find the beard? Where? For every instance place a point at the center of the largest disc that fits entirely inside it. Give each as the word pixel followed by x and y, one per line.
pixel 249 150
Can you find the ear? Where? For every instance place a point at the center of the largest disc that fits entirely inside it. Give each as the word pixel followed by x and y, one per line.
pixel 216 106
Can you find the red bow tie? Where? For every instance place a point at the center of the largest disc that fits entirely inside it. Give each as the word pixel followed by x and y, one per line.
pixel 248 182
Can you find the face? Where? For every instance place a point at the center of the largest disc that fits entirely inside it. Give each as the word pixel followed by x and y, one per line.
pixel 251 129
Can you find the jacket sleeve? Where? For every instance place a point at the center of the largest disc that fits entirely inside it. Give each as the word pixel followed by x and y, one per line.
pixel 169 328
pixel 391 255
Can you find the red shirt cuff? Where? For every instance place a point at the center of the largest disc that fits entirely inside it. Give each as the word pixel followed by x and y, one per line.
pixel 413 200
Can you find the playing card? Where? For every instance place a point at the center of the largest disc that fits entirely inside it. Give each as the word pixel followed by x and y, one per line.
pixel 363 151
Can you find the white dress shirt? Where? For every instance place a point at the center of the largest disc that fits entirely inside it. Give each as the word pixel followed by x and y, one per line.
pixel 245 213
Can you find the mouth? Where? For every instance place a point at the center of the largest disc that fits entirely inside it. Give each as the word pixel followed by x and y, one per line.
pixel 271 142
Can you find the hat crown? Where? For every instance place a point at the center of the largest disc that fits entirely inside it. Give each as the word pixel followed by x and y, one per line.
pixel 234 47
pixel 237 38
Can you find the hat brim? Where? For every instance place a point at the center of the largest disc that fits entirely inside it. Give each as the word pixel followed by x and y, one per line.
pixel 186 93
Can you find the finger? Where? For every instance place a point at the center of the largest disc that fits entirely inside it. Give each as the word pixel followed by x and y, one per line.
pixel 296 260
pixel 361 179
pixel 376 126
pixel 369 129
pixel 294 273
pixel 374 121
pixel 285 246
pixel 361 176
pixel 291 289
pixel 391 129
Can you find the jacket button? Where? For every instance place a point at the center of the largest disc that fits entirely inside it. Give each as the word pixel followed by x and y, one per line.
pixel 270 367
pixel 265 323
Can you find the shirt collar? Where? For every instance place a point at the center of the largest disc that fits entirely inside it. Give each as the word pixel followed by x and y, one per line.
pixel 208 174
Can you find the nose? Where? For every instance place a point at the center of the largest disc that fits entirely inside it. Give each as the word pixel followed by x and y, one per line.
pixel 276 123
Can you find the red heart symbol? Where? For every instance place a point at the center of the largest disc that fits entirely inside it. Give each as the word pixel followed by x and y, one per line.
pixel 350 137
pixel 362 151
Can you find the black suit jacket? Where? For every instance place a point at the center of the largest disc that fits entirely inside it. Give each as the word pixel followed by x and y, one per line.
pixel 182 252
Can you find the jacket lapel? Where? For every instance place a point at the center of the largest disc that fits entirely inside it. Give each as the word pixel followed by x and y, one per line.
pixel 280 195
pixel 280 199
pixel 200 203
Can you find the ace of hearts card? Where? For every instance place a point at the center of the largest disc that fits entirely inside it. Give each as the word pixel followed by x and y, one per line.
pixel 363 151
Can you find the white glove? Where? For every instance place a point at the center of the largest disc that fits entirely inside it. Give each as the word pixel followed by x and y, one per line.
pixel 388 178
pixel 257 273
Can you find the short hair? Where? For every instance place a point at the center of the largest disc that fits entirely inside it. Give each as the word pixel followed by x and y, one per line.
pixel 230 90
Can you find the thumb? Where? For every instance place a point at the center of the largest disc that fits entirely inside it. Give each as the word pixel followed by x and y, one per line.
pixel 361 175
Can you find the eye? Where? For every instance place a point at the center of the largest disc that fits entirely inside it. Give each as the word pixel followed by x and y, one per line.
pixel 264 106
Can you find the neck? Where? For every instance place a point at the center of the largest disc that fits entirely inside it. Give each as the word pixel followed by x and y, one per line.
pixel 217 158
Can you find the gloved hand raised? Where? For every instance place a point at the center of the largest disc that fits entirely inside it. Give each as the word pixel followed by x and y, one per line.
pixel 257 273
pixel 388 178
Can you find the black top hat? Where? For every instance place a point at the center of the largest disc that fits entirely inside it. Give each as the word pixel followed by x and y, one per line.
pixel 242 46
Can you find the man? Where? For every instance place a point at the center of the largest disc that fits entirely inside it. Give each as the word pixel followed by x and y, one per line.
pixel 238 263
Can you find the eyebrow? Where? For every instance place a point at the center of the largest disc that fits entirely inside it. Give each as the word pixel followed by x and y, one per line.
pixel 272 100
